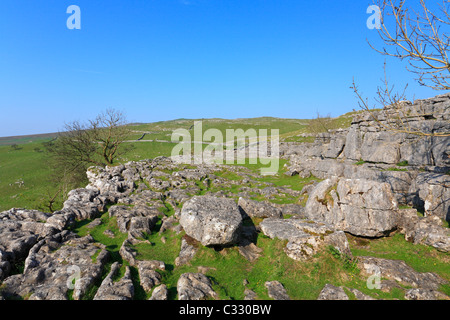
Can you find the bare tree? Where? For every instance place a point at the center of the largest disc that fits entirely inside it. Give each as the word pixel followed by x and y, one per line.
pixel 98 142
pixel 420 36
pixel 320 124
pixel 110 131
pixel 395 113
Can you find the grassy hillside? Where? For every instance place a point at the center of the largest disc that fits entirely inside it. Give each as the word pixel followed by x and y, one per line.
pixel 24 169
pixel 25 173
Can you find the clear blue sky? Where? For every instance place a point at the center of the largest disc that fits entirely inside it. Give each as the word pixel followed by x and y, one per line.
pixel 166 59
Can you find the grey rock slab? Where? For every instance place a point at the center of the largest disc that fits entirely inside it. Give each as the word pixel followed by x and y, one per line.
pixel 194 286
pixel 399 271
pixel 276 290
pixel 116 290
pixel 160 293
pixel 258 209
pixel 330 292
pixel 53 263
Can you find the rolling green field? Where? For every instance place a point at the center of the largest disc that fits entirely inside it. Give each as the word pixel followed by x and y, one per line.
pixel 25 171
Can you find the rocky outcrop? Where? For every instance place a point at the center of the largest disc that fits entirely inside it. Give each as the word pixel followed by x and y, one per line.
pixel 368 141
pixel 364 183
pixel 50 264
pixel 360 207
pixel 20 230
pixel 211 220
pixel 414 166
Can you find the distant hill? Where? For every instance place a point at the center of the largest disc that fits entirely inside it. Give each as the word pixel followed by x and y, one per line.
pixel 27 138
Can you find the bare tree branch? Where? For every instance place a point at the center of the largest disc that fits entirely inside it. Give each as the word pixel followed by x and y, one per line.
pixel 420 37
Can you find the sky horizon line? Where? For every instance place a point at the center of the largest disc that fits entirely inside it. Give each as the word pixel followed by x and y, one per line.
pixel 165 59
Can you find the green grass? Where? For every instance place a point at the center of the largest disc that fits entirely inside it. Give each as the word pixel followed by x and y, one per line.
pixel 420 257
pixel 396 169
pixel 403 163
pixel 29 166
pixel 228 269
pixel 302 279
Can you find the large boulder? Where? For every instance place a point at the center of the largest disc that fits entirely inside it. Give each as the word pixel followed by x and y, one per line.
pixel 358 206
pixel 211 220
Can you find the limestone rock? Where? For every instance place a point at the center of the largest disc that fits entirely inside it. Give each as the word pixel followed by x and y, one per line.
pixel 187 252
pixel 50 268
pixel 358 206
pixel 195 286
pixel 305 237
pixel 20 230
pixel 330 292
pixel 211 220
pixel 258 209
pixel 425 294
pixel 160 293
pixel 127 252
pixel 399 271
pixel 119 290
pixel 148 275
pixel 424 230
pixel 276 290
pixel 83 203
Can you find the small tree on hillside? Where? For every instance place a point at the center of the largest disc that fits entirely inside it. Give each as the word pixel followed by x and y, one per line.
pixel 98 142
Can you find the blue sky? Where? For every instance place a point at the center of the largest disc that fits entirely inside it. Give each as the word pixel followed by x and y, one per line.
pixel 166 59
